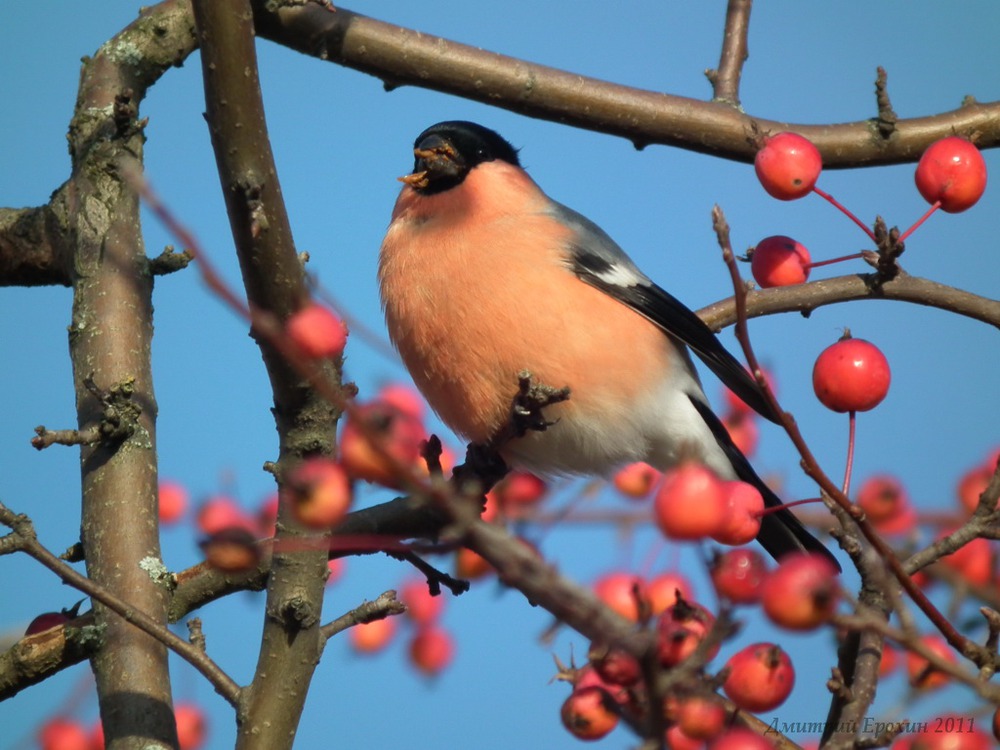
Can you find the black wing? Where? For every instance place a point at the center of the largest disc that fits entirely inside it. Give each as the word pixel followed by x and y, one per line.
pixel 599 261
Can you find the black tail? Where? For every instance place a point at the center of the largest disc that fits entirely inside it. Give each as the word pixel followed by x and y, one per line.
pixel 780 532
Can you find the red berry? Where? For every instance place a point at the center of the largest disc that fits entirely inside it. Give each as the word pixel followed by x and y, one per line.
pixel 889 661
pixel 519 488
pixel 222 512
pixel 738 575
pixel 173 501
pixel 614 665
pixel 232 549
pixel 677 740
pixel 882 497
pixel 404 397
pixel 621 592
pixel 421 607
pixel 700 717
pixel 691 503
pixel 919 670
pixel 399 434
pixel 317 331
pixel 471 565
pixel 788 166
pixel 742 518
pixel 97 735
pixel 802 592
pixel 951 732
pixel 851 375
pixel 370 637
pixel 191 728
pixel 664 590
pixel 63 734
pixel 431 650
pixel 636 480
pixel 739 738
pixel 336 570
pixel 760 677
pixel 974 561
pixel 587 715
pixel 680 629
pixel 319 492
pixel 972 485
pixel 779 261
pixel 743 431
pixel 953 172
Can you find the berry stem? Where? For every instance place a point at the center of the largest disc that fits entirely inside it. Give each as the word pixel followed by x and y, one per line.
pixel 844 210
pixel 927 214
pixel 775 508
pixel 852 420
pixel 818 263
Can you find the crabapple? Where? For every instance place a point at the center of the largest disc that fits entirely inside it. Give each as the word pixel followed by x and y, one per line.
pixel 191 726
pixel 61 733
pixel 760 677
pixel 586 714
pixel 232 549
pixel 680 629
pixel 222 512
pixel 519 488
pixel 738 575
pixel 370 637
pixel 743 431
pixel 622 592
pixel 172 501
pixel 739 738
pixel 399 436
pixel 319 492
pixel 432 649
pixel 700 717
pixel 421 607
pixel 471 565
pixel 851 375
pixel 788 166
pixel 951 171
pixel 691 503
pixel 921 673
pixel 742 519
pixel 317 331
pixel 664 590
pixel 802 592
pixel 614 665
pixel 779 261
pixel 636 480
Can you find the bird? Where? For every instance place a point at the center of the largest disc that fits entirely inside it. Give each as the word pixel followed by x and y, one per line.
pixel 483 276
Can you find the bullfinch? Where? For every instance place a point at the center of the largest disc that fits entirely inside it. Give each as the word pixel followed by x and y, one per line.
pixel 483 276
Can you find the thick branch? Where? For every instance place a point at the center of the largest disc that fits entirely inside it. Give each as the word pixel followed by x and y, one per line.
pixel 807 297
pixel 291 644
pixel 403 57
pixel 110 340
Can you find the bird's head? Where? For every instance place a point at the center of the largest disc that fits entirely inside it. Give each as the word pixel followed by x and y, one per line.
pixel 445 154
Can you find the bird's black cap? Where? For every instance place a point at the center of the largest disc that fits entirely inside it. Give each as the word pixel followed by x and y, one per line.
pixel 445 153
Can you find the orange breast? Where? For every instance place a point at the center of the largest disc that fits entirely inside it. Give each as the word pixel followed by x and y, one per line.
pixel 476 289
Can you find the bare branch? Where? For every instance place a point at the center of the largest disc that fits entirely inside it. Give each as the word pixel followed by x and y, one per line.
pixel 726 79
pixel 401 57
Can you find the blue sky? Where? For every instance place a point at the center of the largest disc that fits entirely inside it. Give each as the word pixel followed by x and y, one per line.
pixel 340 142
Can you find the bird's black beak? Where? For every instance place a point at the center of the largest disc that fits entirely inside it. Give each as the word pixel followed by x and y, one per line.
pixel 436 160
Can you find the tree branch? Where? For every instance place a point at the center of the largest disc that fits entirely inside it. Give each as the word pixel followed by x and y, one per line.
pixel 291 644
pixel 401 57
pixel 726 79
